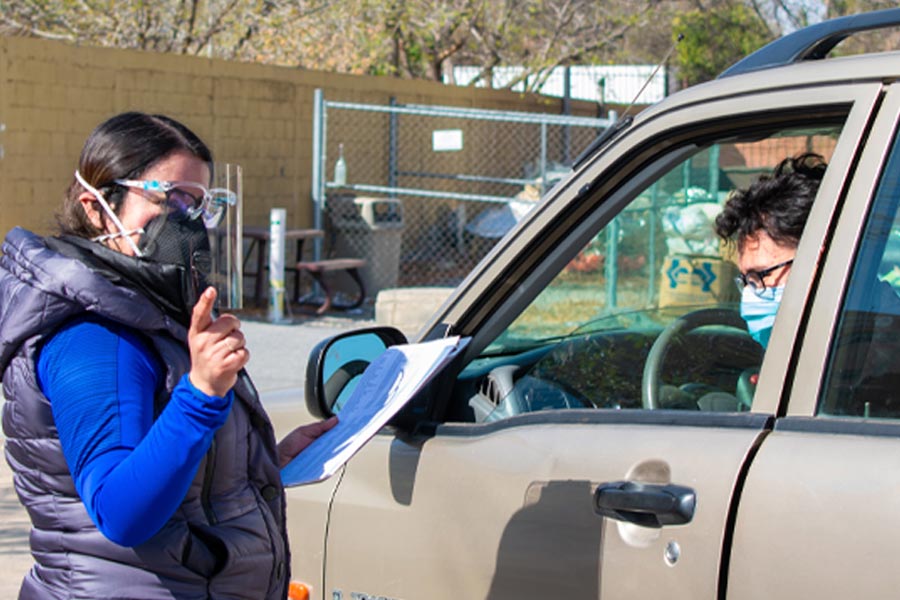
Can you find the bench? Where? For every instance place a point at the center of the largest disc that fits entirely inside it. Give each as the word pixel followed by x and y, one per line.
pixel 258 237
pixel 317 270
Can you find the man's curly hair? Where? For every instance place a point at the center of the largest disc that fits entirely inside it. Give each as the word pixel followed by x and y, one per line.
pixel 778 204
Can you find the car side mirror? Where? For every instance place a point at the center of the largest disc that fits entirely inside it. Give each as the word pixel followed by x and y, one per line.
pixel 336 364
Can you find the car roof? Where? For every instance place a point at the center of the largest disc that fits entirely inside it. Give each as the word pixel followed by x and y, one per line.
pixel 843 70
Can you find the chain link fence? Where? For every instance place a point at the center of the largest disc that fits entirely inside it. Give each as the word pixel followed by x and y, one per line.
pixel 424 192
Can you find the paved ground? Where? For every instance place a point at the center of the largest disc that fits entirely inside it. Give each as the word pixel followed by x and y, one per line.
pixel 277 363
pixel 15 558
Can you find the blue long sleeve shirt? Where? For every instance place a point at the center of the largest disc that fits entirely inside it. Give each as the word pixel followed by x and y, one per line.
pixel 131 472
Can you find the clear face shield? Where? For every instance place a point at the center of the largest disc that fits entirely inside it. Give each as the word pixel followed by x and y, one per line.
pixel 199 228
pixel 226 237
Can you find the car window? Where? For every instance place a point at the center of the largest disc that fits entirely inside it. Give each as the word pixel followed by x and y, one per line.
pixel 645 314
pixel 863 379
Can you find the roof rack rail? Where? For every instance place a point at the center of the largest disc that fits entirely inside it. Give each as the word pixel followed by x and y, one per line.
pixel 813 42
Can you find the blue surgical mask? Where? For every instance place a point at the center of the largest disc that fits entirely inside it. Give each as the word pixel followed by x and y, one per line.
pixel 759 310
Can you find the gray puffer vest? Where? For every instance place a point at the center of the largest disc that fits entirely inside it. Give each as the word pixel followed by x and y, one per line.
pixel 228 537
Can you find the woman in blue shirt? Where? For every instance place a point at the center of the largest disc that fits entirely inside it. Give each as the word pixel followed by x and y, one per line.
pixel 137 441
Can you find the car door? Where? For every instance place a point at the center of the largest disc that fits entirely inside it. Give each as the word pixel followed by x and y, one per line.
pixel 822 493
pixel 536 466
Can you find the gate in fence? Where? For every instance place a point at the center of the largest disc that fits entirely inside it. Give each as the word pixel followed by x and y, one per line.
pixel 423 192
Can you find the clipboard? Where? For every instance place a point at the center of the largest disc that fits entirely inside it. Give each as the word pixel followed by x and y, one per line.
pixel 386 385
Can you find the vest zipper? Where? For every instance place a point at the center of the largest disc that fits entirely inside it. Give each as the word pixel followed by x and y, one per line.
pixel 207 484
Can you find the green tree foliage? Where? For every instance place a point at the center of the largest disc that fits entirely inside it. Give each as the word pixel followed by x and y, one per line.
pixel 714 40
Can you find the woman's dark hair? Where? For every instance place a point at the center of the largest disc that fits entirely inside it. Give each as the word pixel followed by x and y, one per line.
pixel 123 147
pixel 778 204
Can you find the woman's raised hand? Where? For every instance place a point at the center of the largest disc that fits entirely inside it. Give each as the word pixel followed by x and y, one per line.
pixel 217 347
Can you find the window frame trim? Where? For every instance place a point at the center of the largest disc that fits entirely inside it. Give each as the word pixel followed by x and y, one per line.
pixel 816 322
pixel 826 424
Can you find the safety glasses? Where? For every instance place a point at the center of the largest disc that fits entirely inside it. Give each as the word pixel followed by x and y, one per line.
pixel 193 199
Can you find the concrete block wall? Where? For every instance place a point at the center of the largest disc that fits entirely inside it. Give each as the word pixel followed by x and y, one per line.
pixel 53 94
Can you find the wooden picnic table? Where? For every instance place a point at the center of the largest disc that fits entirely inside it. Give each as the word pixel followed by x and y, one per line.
pixel 259 237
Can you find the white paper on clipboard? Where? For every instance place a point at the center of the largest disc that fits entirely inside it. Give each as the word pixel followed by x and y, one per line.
pixel 383 389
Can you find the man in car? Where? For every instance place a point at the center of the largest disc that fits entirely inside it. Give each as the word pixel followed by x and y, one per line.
pixel 764 221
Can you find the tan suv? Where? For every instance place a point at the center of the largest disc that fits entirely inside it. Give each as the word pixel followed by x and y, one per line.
pixel 539 465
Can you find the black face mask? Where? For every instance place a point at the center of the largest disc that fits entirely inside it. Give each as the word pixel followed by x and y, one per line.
pixel 176 239
pixel 172 272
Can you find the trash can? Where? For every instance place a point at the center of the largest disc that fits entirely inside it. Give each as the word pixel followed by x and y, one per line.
pixel 370 228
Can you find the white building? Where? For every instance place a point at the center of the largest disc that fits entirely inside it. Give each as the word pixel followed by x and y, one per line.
pixel 605 84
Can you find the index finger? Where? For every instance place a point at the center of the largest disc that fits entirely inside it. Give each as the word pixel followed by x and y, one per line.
pixel 202 313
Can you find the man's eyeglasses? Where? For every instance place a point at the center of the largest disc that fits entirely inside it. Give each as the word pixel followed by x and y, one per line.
pixel 193 199
pixel 757 279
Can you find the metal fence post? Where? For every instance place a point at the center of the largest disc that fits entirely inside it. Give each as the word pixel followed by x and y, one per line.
pixel 651 251
pixel 714 173
pixel 392 146
pixel 567 110
pixel 543 159
pixel 318 167
pixel 612 261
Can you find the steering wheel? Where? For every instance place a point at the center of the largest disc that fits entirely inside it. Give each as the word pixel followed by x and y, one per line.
pixel 674 334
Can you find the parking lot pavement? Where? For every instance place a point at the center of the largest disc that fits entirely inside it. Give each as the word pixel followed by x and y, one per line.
pixel 15 559
pixel 278 354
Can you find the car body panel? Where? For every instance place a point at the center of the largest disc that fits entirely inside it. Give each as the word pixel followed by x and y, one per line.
pixel 308 510
pixel 831 530
pixel 531 532
pixel 307 507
